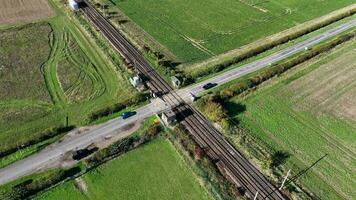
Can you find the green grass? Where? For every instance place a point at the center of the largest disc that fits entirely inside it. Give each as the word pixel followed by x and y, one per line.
pixel 23 51
pixel 198 68
pixel 23 153
pixel 50 71
pixel 194 30
pixel 153 171
pixel 306 113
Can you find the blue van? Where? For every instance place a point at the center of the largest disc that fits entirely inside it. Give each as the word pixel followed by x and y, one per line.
pixel 126 115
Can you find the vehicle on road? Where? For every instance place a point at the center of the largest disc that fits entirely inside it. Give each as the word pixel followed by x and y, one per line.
pixel 126 115
pixel 108 137
pixel 209 85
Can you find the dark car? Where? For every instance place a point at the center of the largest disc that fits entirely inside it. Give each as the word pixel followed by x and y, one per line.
pixel 209 85
pixel 126 115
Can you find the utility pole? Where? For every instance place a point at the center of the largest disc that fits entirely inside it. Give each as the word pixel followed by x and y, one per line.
pixel 255 198
pixel 67 120
pixel 284 180
pixel 302 172
pixel 103 8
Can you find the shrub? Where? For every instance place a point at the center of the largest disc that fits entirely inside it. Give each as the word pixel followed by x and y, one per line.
pixel 209 170
pixel 122 146
pixel 118 107
pixel 32 186
pixel 280 68
pixel 48 133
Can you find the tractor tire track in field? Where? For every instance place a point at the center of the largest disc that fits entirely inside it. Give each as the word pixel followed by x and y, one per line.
pixel 89 70
pixel 191 41
pixel 49 70
pixel 88 84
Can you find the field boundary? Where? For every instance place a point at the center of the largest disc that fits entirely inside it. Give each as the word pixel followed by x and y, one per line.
pixel 245 87
pixel 21 12
pixel 233 56
pixel 137 35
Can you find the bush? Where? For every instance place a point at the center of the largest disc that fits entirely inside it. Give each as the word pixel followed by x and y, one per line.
pixel 209 170
pixel 141 97
pixel 213 106
pixel 48 133
pixel 31 187
pixel 280 68
pixel 122 146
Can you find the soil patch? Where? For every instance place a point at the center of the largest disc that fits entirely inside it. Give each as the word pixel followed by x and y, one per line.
pixel 17 11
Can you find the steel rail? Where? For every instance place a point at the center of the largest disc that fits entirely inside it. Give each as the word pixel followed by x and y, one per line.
pixel 201 129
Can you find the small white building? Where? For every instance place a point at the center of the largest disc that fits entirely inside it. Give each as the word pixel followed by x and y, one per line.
pixel 192 97
pixel 135 81
pixel 73 4
pixel 175 81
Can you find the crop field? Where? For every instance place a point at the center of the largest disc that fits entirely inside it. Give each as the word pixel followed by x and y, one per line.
pixel 305 114
pixel 194 30
pixel 20 11
pixel 152 171
pixel 77 75
pixel 50 71
pixel 19 54
pixel 23 93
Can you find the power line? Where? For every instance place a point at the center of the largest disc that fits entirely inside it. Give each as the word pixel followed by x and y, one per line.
pixel 302 172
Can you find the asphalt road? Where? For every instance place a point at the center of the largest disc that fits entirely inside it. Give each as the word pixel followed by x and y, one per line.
pixel 267 61
pixel 47 156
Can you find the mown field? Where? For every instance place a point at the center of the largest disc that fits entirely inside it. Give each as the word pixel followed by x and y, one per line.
pixel 19 11
pixel 152 171
pixel 303 115
pixel 50 71
pixel 194 30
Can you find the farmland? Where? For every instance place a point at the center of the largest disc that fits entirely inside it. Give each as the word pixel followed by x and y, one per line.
pixel 303 115
pixel 195 30
pixel 19 11
pixel 50 71
pixel 152 171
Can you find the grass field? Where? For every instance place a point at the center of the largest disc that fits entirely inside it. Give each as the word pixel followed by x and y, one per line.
pixel 305 114
pixel 153 171
pixel 19 55
pixel 194 30
pixel 50 71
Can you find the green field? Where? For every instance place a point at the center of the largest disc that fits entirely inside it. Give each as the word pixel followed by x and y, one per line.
pixel 153 171
pixel 305 114
pixel 194 30
pixel 49 71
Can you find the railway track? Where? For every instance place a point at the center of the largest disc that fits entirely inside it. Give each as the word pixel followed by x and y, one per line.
pixel 234 164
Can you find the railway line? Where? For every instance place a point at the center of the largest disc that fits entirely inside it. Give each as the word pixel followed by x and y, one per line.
pixel 234 165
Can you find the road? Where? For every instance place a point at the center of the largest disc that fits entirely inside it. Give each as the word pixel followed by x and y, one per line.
pixel 231 162
pixel 48 156
pixel 267 61
pixel 36 162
